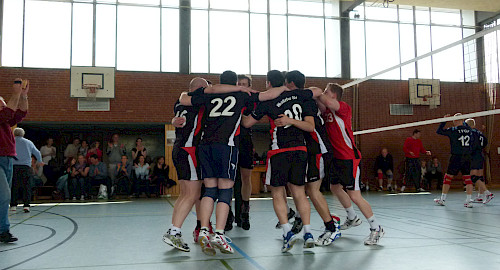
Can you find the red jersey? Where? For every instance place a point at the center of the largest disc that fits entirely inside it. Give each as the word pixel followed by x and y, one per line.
pixel 415 146
pixel 339 127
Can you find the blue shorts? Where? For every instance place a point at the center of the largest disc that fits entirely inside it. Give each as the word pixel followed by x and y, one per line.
pixel 218 161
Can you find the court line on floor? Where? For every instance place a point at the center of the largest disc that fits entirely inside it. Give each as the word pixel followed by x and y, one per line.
pixel 53 232
pixel 30 217
pixel 228 267
pixel 242 253
pixel 75 229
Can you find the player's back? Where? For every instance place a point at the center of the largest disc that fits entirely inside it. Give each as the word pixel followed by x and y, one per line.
pixel 188 135
pixel 479 141
pixel 461 139
pixel 292 104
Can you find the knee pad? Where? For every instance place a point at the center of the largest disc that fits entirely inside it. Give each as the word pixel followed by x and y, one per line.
pixel 474 178
pixel 226 196
pixel 211 192
pixel 447 179
pixel 467 180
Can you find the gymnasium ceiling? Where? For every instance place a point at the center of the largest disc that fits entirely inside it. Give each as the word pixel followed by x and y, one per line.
pixel 477 5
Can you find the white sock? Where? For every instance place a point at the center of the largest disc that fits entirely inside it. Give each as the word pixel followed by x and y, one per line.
pixel 443 197
pixel 373 223
pixel 174 230
pixel 286 228
pixel 469 198
pixel 307 228
pixel 351 214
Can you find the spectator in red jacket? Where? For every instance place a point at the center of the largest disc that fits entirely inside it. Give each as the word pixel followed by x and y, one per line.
pixel 413 147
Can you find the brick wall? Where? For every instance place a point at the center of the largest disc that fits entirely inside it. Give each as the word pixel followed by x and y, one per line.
pixel 149 97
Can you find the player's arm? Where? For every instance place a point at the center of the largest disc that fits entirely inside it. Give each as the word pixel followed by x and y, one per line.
pixel 330 103
pixel 248 121
pixel 317 92
pixel 441 130
pixel 306 125
pixel 272 93
pixel 226 88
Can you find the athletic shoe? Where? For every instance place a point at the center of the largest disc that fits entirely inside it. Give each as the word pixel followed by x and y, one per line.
pixel 297 225
pixel 219 241
pixel 478 200
pixel 403 189
pixel 26 209
pixel 82 198
pixel 380 188
pixel 389 188
pixel 421 190
pixel 229 221
pixel 245 217
pixel 327 237
pixel 204 240
pixel 291 214
pixel 288 241
pixel 7 237
pixel 13 208
pixel 468 204
pixel 196 233
pixel 175 241
pixel 351 223
pixel 74 198
pixel 439 202
pixel 308 240
pixel 374 236
pixel 489 197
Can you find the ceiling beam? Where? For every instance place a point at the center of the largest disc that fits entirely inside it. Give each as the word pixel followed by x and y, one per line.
pixel 348 6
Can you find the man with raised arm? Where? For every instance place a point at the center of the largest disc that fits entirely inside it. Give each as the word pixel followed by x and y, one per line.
pixel 345 163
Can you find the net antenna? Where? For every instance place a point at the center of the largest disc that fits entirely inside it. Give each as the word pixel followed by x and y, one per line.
pixel 91 90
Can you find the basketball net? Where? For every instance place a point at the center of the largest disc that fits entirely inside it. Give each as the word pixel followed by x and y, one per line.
pixel 433 100
pixel 91 90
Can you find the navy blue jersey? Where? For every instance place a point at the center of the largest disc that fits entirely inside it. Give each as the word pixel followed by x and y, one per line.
pixel 317 142
pixel 189 135
pixel 461 138
pixel 292 104
pixel 480 141
pixel 223 116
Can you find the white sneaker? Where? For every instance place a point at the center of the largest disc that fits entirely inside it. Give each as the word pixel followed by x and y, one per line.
pixel 26 209
pixel 175 241
pixel 13 208
pixel 489 197
pixel 204 241
pixel 350 223
pixel 468 204
pixel 439 202
pixel 374 236
pixel 421 190
pixel 219 241
pixel 478 199
pixel 327 237
pixel 74 198
pixel 403 189
pixel 82 198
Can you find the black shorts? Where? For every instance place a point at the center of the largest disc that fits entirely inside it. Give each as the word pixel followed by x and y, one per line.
pixel 218 160
pixel 315 167
pixel 345 172
pixel 477 162
pixel 186 163
pixel 285 167
pixel 459 163
pixel 245 156
pixel 413 169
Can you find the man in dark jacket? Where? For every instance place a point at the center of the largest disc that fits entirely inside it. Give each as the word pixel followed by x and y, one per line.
pixel 384 165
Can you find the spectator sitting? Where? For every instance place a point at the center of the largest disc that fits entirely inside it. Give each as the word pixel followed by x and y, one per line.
pixel 52 172
pixel 48 151
pixel 160 176
pixel 434 171
pixel 141 176
pixel 98 175
pixel 38 179
pixel 123 173
pixel 21 176
pixel 72 149
pixel 78 181
pixel 138 151
pixel 115 151
pixel 384 165
pixel 84 148
pixel 94 149
pixel 62 182
pixel 256 156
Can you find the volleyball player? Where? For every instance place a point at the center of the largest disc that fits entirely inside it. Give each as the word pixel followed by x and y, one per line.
pixel 480 141
pixel 345 163
pixel 461 142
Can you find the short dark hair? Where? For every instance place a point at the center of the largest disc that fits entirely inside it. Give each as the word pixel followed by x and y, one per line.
pixel 243 77
pixel 228 77
pixel 336 89
pixel 275 78
pixel 138 139
pixel 125 156
pixel 416 131
pixel 297 78
pixel 94 156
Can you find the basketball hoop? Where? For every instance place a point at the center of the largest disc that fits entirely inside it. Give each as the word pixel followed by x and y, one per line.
pixel 91 90
pixel 433 101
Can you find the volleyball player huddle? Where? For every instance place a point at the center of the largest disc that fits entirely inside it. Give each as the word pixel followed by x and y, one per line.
pixel 311 140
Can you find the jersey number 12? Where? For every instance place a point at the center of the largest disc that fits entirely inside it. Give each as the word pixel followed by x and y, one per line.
pixel 465 140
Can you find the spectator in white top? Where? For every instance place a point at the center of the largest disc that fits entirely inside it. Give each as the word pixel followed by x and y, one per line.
pixel 48 151
pixel 22 170
pixel 72 149
pixel 141 176
pixel 84 148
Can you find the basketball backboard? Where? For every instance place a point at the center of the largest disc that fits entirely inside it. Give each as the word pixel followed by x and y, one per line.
pixel 103 76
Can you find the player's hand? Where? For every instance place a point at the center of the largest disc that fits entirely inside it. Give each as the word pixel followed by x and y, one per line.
pixel 412 154
pixel 17 87
pixel 179 122
pixel 26 89
pixel 283 121
pixel 428 153
pixel 110 145
pixel 248 90
pixel 447 115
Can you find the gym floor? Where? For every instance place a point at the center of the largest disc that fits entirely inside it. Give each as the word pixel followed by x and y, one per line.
pixel 128 235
